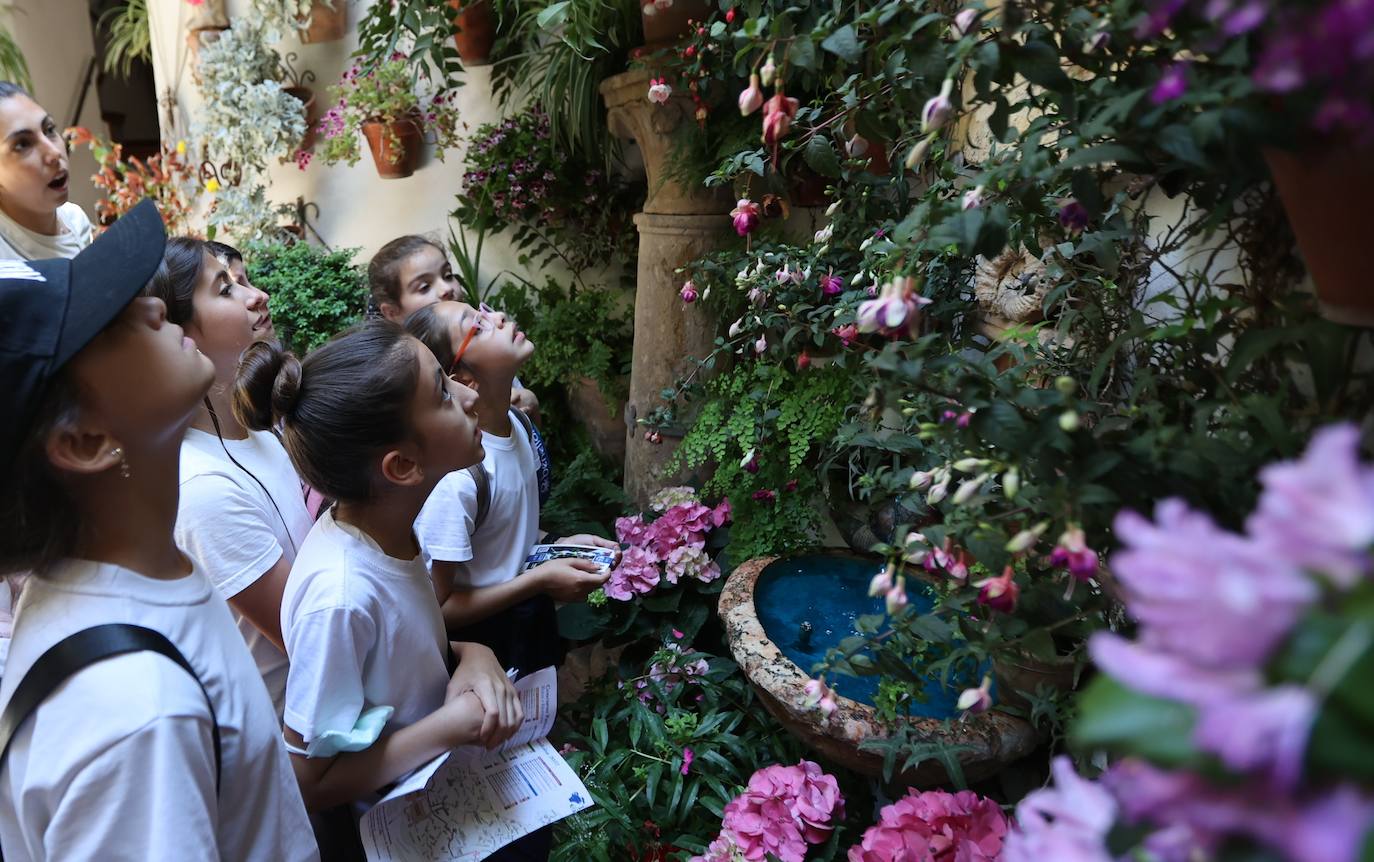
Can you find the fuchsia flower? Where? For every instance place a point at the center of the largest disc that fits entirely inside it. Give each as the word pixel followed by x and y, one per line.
pixel 895 311
pixel 964 23
pixel 761 345
pixel 659 91
pixel 831 284
pixel 973 198
pixel 1171 85
pixel 777 118
pixel 1073 216
pixel 938 110
pixel 750 462
pixel 999 593
pixel 978 699
pixel 936 826
pixel 687 757
pixel 846 333
pixel 688 292
pixel 765 495
pixel 819 696
pixel 856 146
pixel 745 216
pixel 750 98
pixel 1073 552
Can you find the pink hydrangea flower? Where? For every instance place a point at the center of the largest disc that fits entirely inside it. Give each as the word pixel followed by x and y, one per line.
pixel 690 561
pixel 673 496
pixel 636 575
pixel 632 530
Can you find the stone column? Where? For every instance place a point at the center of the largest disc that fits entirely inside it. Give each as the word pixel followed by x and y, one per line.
pixel 679 223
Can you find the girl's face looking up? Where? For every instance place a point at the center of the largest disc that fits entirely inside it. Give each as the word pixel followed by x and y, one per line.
pixel 444 418
pixel 142 378
pixel 425 278
pixel 33 162
pixel 496 347
pixel 229 315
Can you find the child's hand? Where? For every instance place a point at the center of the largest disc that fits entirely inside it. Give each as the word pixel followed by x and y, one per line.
pixel 526 402
pixel 594 541
pixel 463 720
pixel 480 674
pixel 570 579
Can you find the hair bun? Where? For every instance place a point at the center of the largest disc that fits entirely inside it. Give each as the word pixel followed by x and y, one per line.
pixel 267 386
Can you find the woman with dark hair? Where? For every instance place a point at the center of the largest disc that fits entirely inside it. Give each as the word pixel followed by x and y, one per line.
pixel 36 219
pixel 241 514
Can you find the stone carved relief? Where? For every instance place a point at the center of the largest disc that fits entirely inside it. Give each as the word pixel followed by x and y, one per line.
pixel 1011 286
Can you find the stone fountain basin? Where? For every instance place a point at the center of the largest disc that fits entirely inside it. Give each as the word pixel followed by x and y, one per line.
pixel 994 738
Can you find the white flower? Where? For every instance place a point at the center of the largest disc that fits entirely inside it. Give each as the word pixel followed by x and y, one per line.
pixel 768 71
pixel 824 234
pixel 963 23
pixel 973 198
pixel 968 488
pixel 660 91
pixel 938 110
pixel 919 152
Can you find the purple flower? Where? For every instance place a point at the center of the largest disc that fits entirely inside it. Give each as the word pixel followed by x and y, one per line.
pixel 1073 216
pixel 895 311
pixel 1073 553
pixel 765 495
pixel 938 110
pixel 1164 675
pixel 688 292
pixel 1214 598
pixel 637 574
pixel 1318 512
pixel 1171 85
pixel 687 757
pixel 831 284
pixel 1265 730
pixel 1067 822
pixel 745 216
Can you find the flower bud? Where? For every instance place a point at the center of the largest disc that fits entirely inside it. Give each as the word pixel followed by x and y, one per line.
pixel 968 488
pixel 688 292
pixel 751 98
pixel 1068 421
pixel 761 344
pixel 882 582
pixel 1011 482
pixel 895 598
pixel 768 71
pixel 919 152
pixel 968 465
pixel 964 23
pixel 920 479
pixel 737 328
pixel 1065 384
pixel 856 146
pixel 938 110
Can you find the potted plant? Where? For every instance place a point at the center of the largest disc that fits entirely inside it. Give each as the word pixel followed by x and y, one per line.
pixel 475 27
pixel 312 20
pixel 381 104
pixel 315 293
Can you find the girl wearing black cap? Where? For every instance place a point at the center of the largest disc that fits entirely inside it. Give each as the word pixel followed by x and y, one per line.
pixel 36 219
pixel 153 753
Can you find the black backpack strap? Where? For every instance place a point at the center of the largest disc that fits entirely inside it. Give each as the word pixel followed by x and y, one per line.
pixel 483 483
pixel 78 651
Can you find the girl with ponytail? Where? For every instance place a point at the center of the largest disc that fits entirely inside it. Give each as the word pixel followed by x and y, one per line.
pixel 371 420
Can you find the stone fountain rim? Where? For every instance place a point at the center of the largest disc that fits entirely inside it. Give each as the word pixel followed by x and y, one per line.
pixel 855 720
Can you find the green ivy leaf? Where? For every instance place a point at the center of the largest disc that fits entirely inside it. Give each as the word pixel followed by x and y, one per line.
pixel 844 43
pixel 821 157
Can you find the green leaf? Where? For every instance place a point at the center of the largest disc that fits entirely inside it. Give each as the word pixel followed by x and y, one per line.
pixel 821 157
pixel 844 43
pixel 1123 720
pixel 1101 154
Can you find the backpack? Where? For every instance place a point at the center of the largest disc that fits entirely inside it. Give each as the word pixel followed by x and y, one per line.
pixel 80 650
pixel 483 482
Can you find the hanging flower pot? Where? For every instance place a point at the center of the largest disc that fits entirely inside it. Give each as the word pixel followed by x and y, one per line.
pixel 395 146
pixel 476 31
pixel 199 37
pixel 1325 191
pixel 306 97
pixel 328 21
pixel 665 21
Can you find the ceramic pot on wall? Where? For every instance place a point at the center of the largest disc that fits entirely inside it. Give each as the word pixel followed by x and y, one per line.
pixel 476 31
pixel 1325 191
pixel 306 97
pixel 328 23
pixel 395 146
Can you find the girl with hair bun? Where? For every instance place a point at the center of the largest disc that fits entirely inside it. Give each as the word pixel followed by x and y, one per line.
pixel 371 420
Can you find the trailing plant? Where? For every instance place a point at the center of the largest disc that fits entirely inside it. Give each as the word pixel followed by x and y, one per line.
pixel 168 178
pixel 13 66
pixel 560 208
pixel 419 33
pixel 314 293
pixel 128 37
pixel 384 94
pixel 288 16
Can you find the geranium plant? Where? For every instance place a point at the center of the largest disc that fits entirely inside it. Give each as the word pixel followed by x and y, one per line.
pixel 168 178
pixel 384 94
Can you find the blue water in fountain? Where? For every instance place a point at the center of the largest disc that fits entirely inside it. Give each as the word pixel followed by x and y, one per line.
pixel 831 592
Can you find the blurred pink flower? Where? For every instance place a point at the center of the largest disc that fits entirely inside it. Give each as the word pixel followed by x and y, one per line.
pixel 935 826
pixel 745 216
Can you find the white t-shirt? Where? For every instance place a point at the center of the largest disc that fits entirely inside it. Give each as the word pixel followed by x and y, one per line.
pixel 18 242
pixel 229 526
pixel 496 551
pixel 362 630
pixel 118 763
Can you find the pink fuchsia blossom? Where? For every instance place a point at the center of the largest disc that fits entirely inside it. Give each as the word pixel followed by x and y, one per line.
pixel 690 561
pixel 761 345
pixel 846 333
pixel 1218 600
pixel 894 600
pixel 1067 822
pixel 831 284
pixel 688 292
pixel 1171 85
pixel 819 696
pixel 978 699
pixel 1073 216
pixel 777 117
pixel 757 296
pixel 895 311
pixel 745 216
pixel 765 495
pixel 1073 553
pixel 659 91
pixel 631 531
pixel 856 146
pixel 750 98
pixel 973 198
pixel 636 575
pixel 1318 511
pixel 883 581
pixel 938 111
pixel 935 826
pixel 999 593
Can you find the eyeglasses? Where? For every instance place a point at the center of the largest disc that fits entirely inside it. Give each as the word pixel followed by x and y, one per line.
pixel 481 322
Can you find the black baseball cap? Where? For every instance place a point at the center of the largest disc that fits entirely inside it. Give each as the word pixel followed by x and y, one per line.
pixel 51 309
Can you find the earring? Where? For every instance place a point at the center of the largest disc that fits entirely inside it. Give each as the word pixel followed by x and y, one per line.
pixel 123 463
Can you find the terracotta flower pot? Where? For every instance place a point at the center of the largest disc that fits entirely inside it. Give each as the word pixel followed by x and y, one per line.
pixel 395 146
pixel 1024 673
pixel 664 27
pixel 306 97
pixel 1325 191
pixel 476 31
pixel 326 24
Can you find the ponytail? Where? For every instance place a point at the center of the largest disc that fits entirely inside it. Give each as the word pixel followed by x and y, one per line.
pixel 340 408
